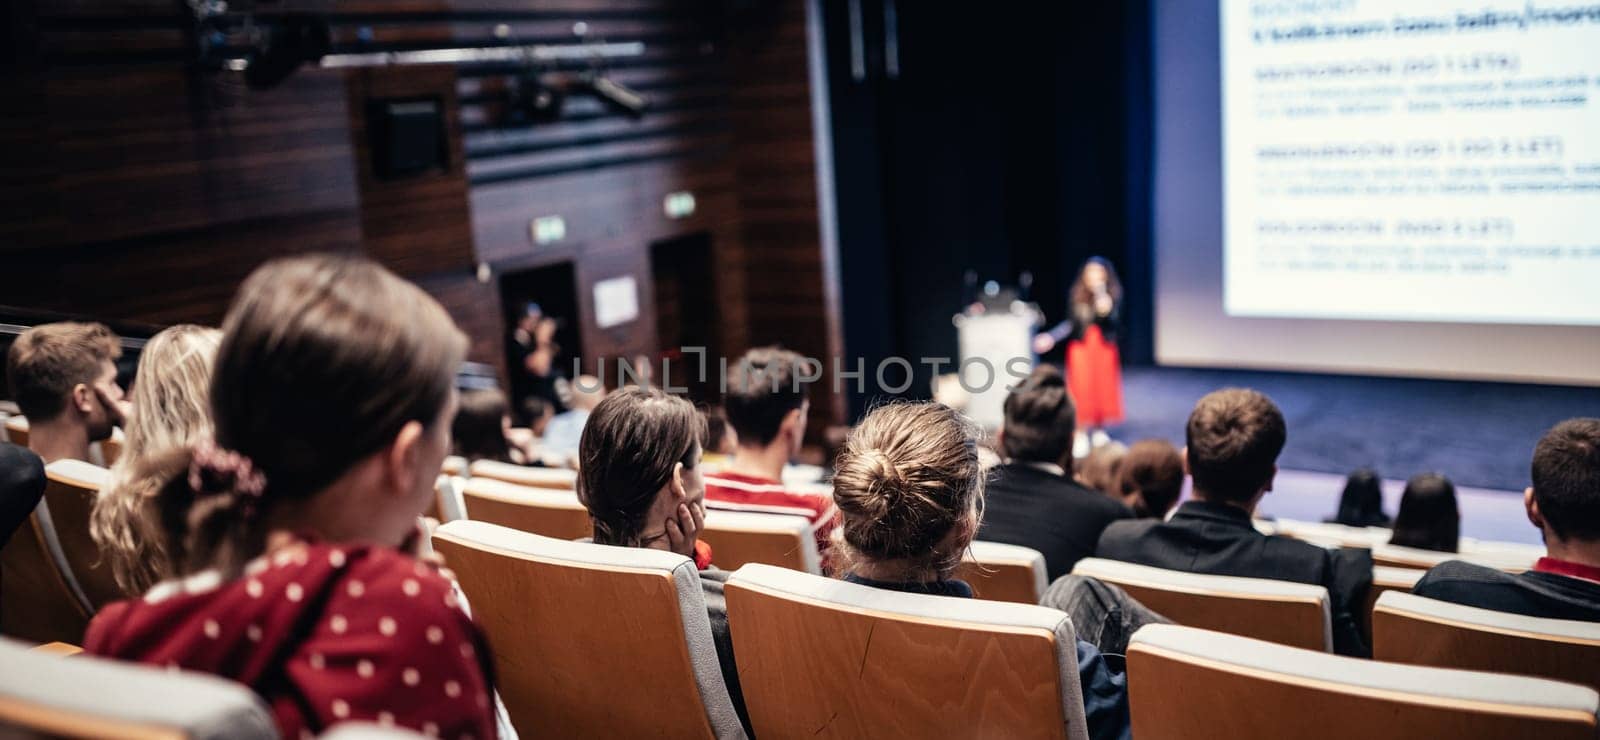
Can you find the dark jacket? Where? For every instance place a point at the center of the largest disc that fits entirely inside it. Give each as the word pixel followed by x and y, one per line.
pixel 1035 508
pixel 1105 691
pixel 1217 539
pixel 1532 594
pixel 21 487
pixel 1082 316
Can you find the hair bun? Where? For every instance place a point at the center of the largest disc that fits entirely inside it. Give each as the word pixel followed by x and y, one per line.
pixel 215 471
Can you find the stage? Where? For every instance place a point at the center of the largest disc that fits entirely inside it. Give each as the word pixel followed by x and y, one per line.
pixel 1481 435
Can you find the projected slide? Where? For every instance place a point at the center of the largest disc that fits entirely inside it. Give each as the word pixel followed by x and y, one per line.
pixel 1417 160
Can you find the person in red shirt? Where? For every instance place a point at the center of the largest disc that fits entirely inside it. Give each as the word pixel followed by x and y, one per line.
pixel 766 405
pixel 293 533
pixel 1564 503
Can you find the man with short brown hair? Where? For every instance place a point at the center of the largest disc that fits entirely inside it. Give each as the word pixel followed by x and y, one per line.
pixel 63 377
pixel 1234 436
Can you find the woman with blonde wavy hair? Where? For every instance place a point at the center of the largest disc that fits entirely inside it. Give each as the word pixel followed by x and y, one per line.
pixel 171 409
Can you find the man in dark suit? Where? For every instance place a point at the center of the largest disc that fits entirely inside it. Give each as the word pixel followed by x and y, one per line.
pixel 1564 503
pixel 1234 437
pixel 1031 500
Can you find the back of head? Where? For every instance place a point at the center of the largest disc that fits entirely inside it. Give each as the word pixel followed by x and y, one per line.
pixel 324 359
pixel 763 387
pixel 1102 469
pixel 1428 517
pixel 1039 419
pixel 479 429
pixel 1361 503
pixel 719 437
pixel 1566 479
pixel 1234 436
pixel 171 409
pixel 587 392
pixel 47 361
pixel 908 486
pixel 1152 477
pixel 631 443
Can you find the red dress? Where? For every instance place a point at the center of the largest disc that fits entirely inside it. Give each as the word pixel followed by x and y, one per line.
pixel 1094 376
pixel 323 633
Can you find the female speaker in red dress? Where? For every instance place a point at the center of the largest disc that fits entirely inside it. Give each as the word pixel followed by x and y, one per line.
pixel 1094 367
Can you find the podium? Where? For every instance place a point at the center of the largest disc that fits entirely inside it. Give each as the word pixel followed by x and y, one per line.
pixel 998 338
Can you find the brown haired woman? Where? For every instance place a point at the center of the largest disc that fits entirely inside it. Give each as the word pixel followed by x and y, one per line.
pixel 293 536
pixel 639 477
pixel 910 496
pixel 1094 366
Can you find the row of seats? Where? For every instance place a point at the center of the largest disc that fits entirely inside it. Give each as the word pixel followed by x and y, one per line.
pixel 818 656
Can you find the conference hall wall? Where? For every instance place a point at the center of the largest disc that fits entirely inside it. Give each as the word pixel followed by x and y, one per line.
pixel 137 187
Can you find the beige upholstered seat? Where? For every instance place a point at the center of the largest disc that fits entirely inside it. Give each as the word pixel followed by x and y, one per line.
pixel 1202 685
pixel 1290 613
pixel 560 479
pixel 738 538
pixel 1002 572
pixel 538 510
pixel 17 430
pixel 826 658
pixel 448 503
pixel 591 640
pixel 1510 561
pixel 1411 629
pixel 46 695
pixel 51 570
pixel 454 465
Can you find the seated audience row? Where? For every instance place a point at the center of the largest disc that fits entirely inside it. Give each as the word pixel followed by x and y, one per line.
pixel 264 514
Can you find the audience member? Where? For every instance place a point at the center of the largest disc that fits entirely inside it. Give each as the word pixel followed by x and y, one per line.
pixel 1564 503
pixel 294 535
pixel 910 495
pixel 1428 517
pixel 21 486
pixel 64 379
pixel 1032 499
pixel 565 430
pixel 171 409
pixel 1361 503
pixel 538 412
pixel 482 427
pixel 1234 437
pixel 639 476
pixel 720 441
pixel 1101 470
pixel 1152 478
pixel 766 405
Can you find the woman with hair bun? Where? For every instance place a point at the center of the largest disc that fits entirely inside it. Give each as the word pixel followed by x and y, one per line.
pixel 910 496
pixel 293 538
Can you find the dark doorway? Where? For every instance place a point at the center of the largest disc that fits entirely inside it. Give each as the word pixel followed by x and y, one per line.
pixel 555 289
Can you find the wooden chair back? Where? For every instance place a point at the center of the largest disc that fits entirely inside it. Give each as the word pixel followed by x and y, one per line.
pixel 1202 685
pixel 826 658
pixel 738 538
pixel 591 640
pixel 1411 629
pixel 47 598
pixel 1279 611
pixel 454 465
pixel 1410 557
pixel 560 479
pixel 538 510
pixel 1002 572
pixel 17 430
pixel 1385 579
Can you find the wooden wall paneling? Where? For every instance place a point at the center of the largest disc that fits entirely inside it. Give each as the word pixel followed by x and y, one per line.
pixel 417 224
pixel 775 171
pixel 623 341
pixel 475 307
